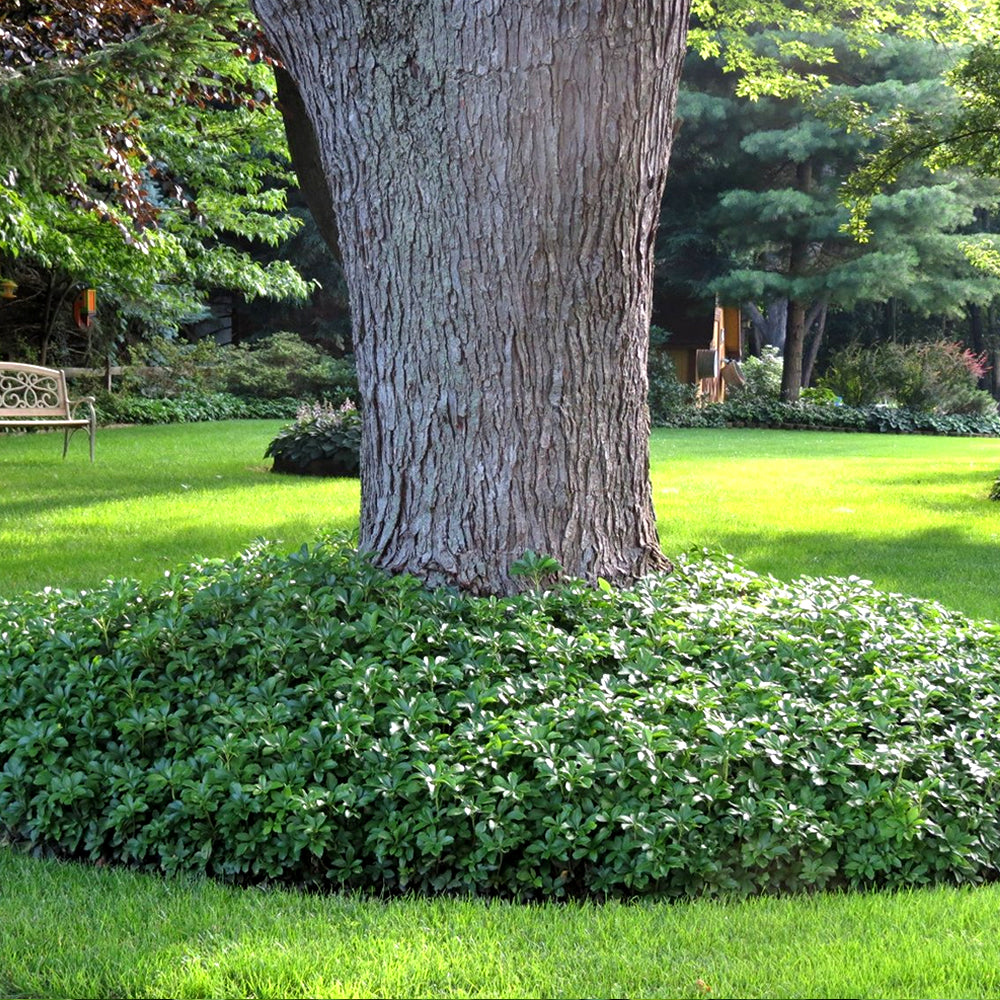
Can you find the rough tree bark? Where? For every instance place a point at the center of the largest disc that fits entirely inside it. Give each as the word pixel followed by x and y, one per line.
pixel 496 168
pixel 791 371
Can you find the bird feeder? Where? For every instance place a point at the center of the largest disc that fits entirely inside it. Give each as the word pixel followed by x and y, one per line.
pixel 733 375
pixel 8 288
pixel 706 364
pixel 85 307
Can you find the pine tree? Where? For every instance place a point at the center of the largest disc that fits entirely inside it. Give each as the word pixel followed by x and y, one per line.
pixel 770 202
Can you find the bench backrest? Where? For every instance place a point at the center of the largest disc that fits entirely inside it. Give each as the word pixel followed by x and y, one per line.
pixel 32 391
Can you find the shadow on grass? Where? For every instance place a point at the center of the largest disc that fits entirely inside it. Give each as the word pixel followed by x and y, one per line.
pixel 137 463
pixel 76 492
pixel 973 478
pixel 67 557
pixel 157 498
pixel 941 563
pixel 962 494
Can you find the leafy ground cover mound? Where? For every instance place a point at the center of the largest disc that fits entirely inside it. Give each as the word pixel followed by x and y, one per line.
pixel 304 718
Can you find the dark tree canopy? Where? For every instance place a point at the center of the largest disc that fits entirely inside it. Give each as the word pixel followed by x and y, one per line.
pixel 753 208
pixel 142 153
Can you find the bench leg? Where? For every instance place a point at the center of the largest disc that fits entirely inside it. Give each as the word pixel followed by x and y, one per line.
pixel 91 433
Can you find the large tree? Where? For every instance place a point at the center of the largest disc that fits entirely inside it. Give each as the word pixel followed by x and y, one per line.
pixel 496 172
pixel 495 169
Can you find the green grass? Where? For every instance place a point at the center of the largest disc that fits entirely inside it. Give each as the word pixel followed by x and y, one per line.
pixel 155 498
pixel 910 513
pixel 72 932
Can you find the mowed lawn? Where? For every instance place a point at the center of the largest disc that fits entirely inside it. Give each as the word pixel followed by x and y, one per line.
pixel 910 513
pixel 155 499
pixel 73 931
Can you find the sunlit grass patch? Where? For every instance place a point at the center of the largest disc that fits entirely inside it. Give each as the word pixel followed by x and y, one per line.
pixel 910 512
pixel 76 932
pixel 157 497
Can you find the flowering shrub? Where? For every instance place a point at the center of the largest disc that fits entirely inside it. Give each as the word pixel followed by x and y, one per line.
pixel 763 378
pixel 934 376
pixel 325 440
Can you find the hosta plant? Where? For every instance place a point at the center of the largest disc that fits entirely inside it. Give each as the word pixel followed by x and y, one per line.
pixel 324 441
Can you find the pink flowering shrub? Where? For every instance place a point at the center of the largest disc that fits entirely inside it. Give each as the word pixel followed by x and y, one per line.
pixel 937 376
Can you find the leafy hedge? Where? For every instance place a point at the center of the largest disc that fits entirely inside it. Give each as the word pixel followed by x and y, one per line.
pixel 275 367
pixel 304 718
pixel 817 416
pixel 189 407
pixel 937 376
pixel 284 365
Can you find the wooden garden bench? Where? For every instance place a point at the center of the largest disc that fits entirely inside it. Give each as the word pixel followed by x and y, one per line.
pixel 32 396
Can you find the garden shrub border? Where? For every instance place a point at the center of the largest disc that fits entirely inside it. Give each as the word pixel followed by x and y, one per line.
pixel 823 417
pixel 192 406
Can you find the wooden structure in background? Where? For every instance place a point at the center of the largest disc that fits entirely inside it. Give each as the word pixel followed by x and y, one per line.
pixel 702 343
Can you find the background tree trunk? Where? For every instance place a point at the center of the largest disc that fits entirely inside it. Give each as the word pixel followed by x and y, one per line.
pixel 496 171
pixel 800 256
pixel 983 338
pixel 767 328
pixel 816 327
pixel 306 160
pixel 791 372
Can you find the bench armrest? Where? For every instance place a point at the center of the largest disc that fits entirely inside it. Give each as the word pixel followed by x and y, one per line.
pixel 88 402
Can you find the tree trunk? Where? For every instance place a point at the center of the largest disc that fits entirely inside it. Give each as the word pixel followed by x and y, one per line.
pixel 800 256
pixel 816 323
pixel 496 170
pixel 48 318
pixel 306 160
pixel 795 337
pixel 767 327
pixel 983 341
pixel 891 312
